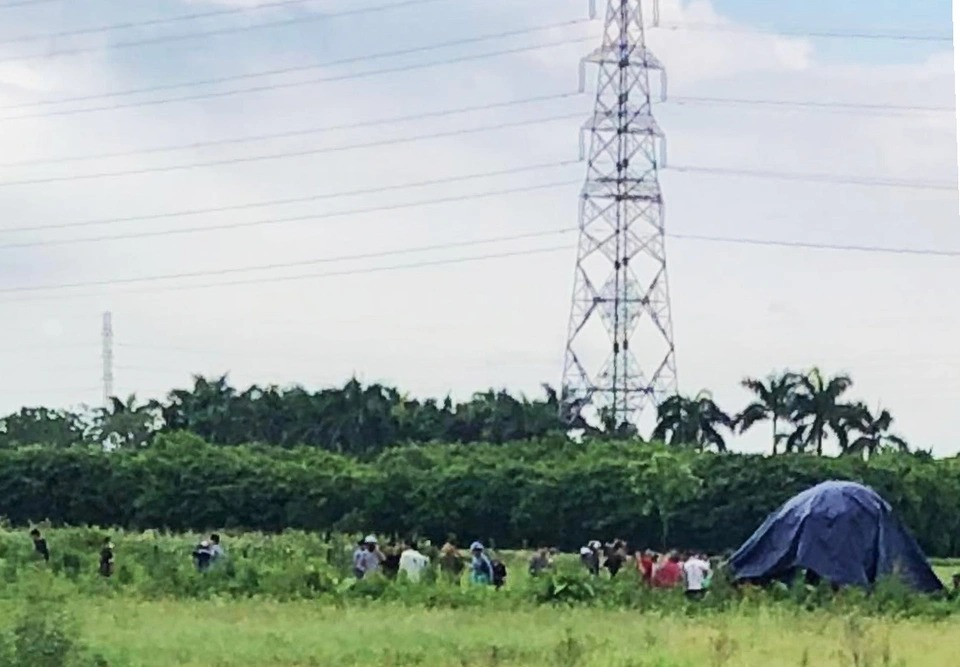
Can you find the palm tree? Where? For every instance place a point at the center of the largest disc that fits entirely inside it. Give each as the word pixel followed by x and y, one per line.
pixel 875 433
pixel 817 412
pixel 126 424
pixel 774 402
pixel 692 421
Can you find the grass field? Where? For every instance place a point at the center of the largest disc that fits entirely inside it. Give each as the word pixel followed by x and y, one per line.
pixel 267 634
pixel 287 601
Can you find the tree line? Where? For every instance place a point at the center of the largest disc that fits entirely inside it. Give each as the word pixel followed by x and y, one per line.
pixel 548 491
pixel 354 419
pixel 806 410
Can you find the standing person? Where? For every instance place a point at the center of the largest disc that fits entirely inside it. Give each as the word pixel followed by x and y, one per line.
pixel 540 562
pixel 106 558
pixel 481 568
pixel 413 563
pixel 645 566
pixel 40 545
pixel 451 562
pixel 695 572
pixel 391 560
pixel 202 556
pixel 216 550
pixel 616 557
pixel 358 559
pixel 371 558
pixel 669 574
pixel 590 557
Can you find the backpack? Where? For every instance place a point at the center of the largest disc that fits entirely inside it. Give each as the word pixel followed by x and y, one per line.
pixel 499 573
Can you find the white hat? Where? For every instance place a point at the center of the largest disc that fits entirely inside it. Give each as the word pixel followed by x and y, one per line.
pixel 370 539
pixel 585 551
pixel 594 544
pixel 205 544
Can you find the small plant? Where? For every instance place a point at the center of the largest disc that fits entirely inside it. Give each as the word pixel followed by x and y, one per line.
pixel 569 652
pixel 722 649
pixel 46 635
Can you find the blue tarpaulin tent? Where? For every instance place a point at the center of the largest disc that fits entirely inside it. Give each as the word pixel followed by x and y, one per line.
pixel 843 532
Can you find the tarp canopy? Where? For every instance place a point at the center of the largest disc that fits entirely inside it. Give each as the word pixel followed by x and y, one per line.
pixel 843 532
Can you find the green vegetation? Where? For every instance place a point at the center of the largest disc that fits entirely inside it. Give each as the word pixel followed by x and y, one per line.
pixel 550 491
pixel 259 633
pixel 286 475
pixel 363 421
pixel 285 600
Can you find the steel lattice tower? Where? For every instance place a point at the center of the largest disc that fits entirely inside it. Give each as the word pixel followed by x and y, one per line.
pixel 106 357
pixel 620 351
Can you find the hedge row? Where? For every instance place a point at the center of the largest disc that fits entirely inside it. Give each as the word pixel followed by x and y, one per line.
pixel 546 492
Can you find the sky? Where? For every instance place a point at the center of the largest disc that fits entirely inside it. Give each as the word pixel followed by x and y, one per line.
pixel 426 321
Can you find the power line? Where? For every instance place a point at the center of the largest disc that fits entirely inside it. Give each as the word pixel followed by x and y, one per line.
pixel 822 34
pixel 933 252
pixel 329 274
pixel 816 105
pixel 834 179
pixel 164 39
pixel 289 265
pixel 296 84
pixel 442 262
pixel 463 110
pixel 25 3
pixel 813 104
pixel 294 133
pixel 299 218
pixel 150 22
pixel 292 200
pixel 816 178
pixel 290 154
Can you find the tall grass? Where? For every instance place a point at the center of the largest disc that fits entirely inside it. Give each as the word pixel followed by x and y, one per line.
pixel 299 566
pixel 288 600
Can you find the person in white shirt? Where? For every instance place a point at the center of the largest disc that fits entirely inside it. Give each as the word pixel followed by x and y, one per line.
pixel 370 559
pixel 695 572
pixel 413 563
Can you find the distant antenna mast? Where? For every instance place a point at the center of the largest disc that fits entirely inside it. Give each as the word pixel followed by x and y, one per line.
pixel 107 357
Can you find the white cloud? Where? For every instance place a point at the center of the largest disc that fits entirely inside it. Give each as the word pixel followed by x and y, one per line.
pixel 738 310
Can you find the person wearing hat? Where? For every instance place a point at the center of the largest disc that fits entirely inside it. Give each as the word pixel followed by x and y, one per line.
pixel 590 557
pixel 481 569
pixel 203 556
pixel 371 557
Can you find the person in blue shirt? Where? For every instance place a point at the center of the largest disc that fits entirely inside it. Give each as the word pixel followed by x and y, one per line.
pixel 481 568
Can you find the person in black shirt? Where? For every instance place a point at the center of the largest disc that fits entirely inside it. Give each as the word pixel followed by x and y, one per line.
pixel 616 557
pixel 40 545
pixel 106 558
pixel 202 556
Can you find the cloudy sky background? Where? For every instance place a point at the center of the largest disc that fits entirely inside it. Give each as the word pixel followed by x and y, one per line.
pixel 889 320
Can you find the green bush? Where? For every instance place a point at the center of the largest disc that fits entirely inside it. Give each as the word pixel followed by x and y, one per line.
pixel 551 492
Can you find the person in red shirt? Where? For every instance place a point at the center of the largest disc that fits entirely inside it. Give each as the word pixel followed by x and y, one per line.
pixel 645 566
pixel 669 574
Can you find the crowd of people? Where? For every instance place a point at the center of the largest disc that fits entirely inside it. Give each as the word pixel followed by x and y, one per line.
pixel 205 554
pixel 693 571
pixel 406 558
